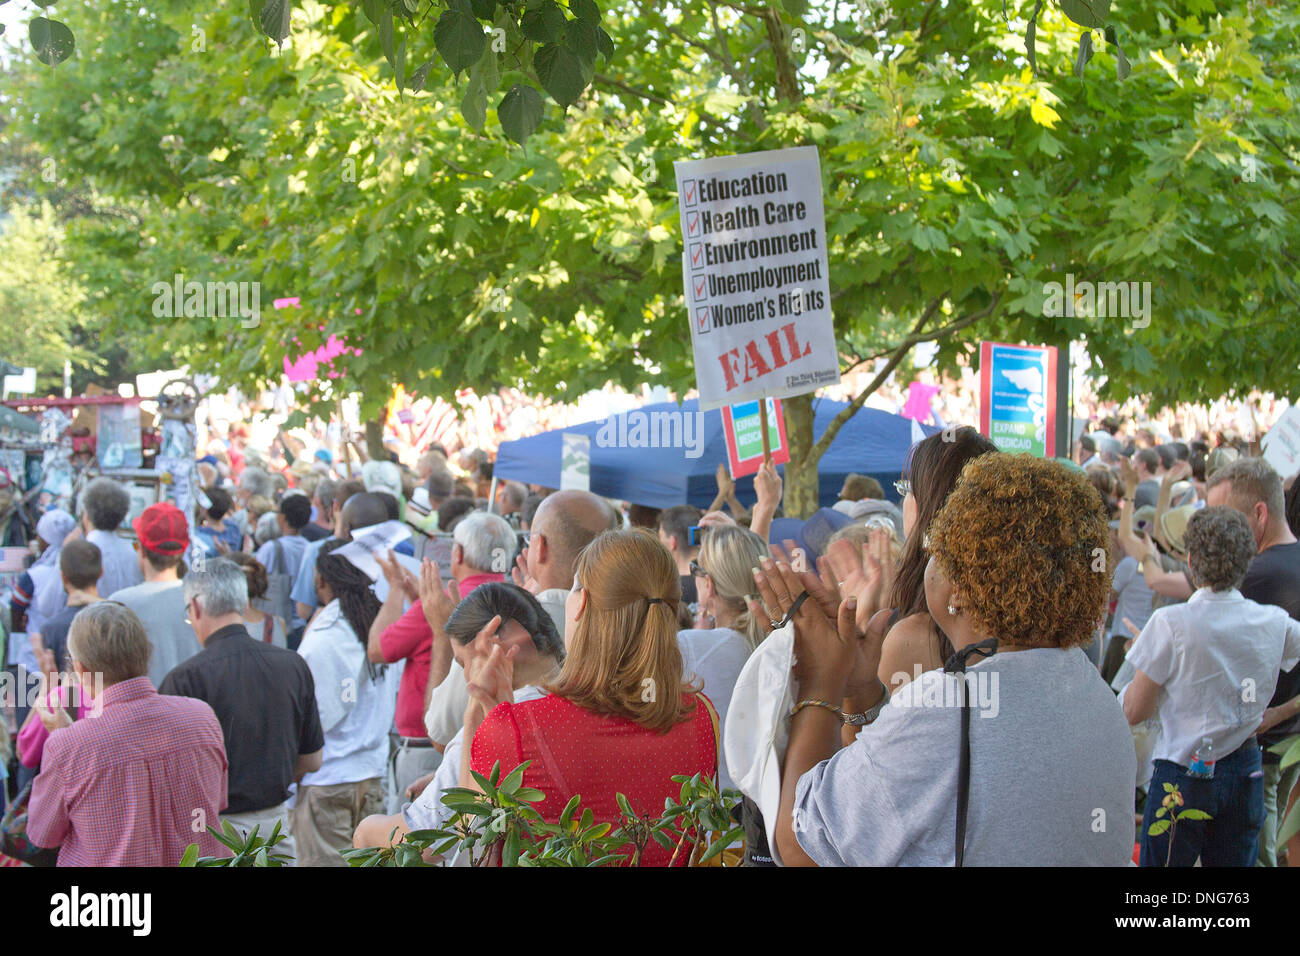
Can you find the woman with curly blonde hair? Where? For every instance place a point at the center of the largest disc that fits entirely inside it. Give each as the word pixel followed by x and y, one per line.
pixel 1016 753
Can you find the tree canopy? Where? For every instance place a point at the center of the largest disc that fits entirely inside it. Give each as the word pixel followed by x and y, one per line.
pixel 959 183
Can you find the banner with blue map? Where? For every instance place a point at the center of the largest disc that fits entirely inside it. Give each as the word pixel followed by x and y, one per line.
pixel 1018 397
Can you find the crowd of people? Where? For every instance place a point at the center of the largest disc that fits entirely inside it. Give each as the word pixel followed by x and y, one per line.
pixel 1028 661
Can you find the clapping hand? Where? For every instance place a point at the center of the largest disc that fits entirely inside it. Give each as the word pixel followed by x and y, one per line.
pixel 1128 477
pixel 436 599
pixel 397 576
pixel 489 669
pixel 725 484
pixel 520 574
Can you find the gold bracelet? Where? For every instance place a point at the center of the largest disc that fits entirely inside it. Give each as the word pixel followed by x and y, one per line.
pixel 817 703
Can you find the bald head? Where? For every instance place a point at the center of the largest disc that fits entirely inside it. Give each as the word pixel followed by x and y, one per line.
pixel 566 522
pixel 360 511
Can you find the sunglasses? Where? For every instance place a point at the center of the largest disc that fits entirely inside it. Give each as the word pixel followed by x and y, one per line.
pixel 696 570
pixel 903 486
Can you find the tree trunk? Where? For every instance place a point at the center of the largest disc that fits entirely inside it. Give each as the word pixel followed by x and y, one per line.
pixel 375 436
pixel 799 498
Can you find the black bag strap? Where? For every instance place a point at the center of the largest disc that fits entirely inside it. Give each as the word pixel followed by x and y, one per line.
pixel 279 556
pixel 956 664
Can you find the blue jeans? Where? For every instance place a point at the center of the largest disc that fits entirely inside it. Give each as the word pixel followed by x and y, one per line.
pixel 1234 799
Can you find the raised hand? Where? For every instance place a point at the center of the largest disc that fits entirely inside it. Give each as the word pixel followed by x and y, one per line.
pixel 397 576
pixel 725 484
pixel 437 599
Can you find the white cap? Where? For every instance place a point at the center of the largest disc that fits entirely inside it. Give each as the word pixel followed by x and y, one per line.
pixel 757 730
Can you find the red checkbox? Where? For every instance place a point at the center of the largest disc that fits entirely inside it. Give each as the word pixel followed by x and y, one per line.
pixel 697 255
pixel 692 224
pixel 702 318
pixel 701 287
pixel 688 190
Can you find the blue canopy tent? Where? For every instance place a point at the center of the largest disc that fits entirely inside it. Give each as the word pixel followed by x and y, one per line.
pixel 872 443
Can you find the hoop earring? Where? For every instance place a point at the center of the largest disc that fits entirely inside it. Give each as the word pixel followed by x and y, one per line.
pixel 953 611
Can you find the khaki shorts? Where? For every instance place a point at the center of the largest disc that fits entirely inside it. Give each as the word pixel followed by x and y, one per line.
pixel 324 819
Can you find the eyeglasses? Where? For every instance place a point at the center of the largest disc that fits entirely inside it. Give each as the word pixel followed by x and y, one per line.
pixel 903 486
pixel 697 571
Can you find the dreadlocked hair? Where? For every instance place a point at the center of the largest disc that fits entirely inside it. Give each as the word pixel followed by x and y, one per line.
pixel 351 587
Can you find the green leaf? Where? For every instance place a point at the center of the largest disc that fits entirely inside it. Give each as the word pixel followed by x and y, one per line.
pixel 583 39
pixel 1292 756
pixel 585 10
pixel 474 104
pixel 373 9
pixel 1031 38
pixel 1290 826
pixel 512 782
pixel 529 795
pixel 1170 787
pixel 567 814
pixel 560 72
pixel 191 855
pixel 1086 13
pixel 460 39
pixel 386 34
pixel 399 64
pixel 420 76
pixel 716 847
pixel 1161 812
pixel 1159 827
pixel 1193 814
pixel 520 112
pixel 510 854
pixel 1122 67
pixel 544 23
pixel 484 9
pixel 51 40
pixel 605 44
pixel 796 8
pixel 1085 53
pixel 624 805
pixel 273 18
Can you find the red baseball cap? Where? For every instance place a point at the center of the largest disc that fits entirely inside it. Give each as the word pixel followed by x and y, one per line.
pixel 162 528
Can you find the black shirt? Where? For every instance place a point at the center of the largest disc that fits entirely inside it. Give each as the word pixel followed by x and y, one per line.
pixel 54 634
pixel 265 700
pixel 1274 578
pixel 313 532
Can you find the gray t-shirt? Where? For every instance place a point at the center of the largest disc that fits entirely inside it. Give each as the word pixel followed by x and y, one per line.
pixel 1133 597
pixel 160 605
pixel 1052 770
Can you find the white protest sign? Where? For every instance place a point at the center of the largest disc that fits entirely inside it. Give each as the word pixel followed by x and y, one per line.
pixel 360 551
pixel 1282 443
pixel 23 384
pixel 756 276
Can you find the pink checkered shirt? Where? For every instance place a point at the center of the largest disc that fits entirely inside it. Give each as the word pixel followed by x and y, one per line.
pixel 123 788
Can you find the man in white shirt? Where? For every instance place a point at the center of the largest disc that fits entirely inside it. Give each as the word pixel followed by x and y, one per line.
pixel 1207 669
pixel 357 702
pixel 104 506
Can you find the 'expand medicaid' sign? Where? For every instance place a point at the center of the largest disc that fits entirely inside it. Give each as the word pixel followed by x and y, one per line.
pixel 755 274
pixel 1018 397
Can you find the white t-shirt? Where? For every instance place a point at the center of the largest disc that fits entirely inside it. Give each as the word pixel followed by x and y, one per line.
pixel 447 703
pixel 356 710
pixel 715 658
pixel 1216 659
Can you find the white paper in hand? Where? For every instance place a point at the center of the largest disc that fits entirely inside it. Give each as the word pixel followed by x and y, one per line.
pixel 360 551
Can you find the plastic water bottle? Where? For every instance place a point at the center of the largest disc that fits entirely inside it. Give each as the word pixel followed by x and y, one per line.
pixel 1203 760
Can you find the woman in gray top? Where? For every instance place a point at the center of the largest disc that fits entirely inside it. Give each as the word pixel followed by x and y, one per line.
pixel 1016 753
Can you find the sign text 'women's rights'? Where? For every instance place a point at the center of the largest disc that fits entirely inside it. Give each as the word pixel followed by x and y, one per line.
pixel 755 274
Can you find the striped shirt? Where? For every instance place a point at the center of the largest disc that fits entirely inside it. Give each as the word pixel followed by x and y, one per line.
pixel 129 786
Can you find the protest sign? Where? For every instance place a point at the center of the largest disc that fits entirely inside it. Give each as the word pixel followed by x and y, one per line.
pixel 740 428
pixel 755 274
pixel 1018 397
pixel 1282 443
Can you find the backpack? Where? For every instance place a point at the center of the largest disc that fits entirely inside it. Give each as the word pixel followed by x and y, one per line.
pixel 279 584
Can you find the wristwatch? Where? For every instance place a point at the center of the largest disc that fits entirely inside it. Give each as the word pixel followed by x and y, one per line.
pixel 866 717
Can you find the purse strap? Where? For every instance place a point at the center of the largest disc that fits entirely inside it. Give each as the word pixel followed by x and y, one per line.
pixel 268 628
